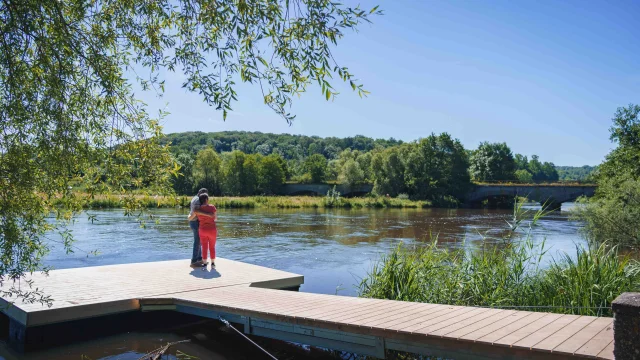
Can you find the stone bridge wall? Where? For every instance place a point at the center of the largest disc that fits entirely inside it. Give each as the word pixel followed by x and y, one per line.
pixel 552 194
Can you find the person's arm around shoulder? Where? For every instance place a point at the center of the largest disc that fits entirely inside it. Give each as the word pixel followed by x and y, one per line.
pixel 203 213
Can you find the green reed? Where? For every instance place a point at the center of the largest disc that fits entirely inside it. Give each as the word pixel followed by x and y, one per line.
pixel 511 275
pixel 249 202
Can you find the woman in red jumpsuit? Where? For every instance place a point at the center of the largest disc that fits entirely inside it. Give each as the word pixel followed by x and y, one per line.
pixel 207 230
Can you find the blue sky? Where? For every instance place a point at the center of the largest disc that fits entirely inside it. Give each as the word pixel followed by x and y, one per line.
pixel 544 76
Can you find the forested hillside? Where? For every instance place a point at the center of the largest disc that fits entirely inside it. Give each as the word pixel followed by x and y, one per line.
pixel 286 145
pixel 576 173
pixel 436 167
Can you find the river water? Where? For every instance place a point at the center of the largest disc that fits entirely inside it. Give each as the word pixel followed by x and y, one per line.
pixel 333 249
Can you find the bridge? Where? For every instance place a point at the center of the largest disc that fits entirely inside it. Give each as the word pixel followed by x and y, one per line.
pixel 553 195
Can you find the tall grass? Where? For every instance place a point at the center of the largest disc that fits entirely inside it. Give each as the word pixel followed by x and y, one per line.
pixel 248 202
pixel 510 275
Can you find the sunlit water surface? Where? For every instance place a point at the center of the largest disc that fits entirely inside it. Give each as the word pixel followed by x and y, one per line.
pixel 333 249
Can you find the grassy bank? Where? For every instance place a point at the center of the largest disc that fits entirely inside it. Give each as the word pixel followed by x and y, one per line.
pixel 249 202
pixel 512 277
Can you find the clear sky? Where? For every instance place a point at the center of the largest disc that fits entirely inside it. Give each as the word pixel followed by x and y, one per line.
pixel 543 76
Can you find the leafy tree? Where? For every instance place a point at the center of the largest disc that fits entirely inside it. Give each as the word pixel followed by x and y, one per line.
pixel 522 163
pixel 613 215
pixel 550 172
pixel 576 173
pixel 272 175
pixel 250 174
pixel 316 166
pixel 524 176
pixel 70 119
pixel 333 170
pixel 351 173
pixel 206 170
pixel 492 162
pixel 535 168
pixel 263 149
pixel 387 171
pixel 287 145
pixel 233 172
pixel 183 182
pixel 437 168
pixel 542 171
pixel 625 131
pixel 364 160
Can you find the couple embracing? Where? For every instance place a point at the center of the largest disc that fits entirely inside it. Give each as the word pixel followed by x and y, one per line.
pixel 202 220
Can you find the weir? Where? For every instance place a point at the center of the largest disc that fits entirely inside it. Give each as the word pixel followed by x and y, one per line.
pixel 252 297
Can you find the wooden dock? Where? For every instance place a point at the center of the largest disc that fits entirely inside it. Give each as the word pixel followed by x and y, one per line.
pixel 248 295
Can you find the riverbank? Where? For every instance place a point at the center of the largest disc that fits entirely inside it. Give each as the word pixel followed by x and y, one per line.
pixel 251 202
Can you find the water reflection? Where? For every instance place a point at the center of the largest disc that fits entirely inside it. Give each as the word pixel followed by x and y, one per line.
pixel 331 248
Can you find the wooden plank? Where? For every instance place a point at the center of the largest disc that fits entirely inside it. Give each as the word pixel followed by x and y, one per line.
pixel 434 326
pixel 564 334
pixel 584 336
pixel 514 322
pixel 427 315
pixel 75 294
pixel 439 319
pixel 416 315
pixel 527 330
pixel 409 312
pixel 607 353
pixel 480 324
pixel 355 317
pixel 467 321
pixel 598 343
pixel 331 309
pixel 546 331
pixel 485 331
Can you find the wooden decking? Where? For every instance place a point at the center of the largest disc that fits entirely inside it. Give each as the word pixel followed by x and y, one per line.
pixel 448 331
pixel 103 290
pixel 248 295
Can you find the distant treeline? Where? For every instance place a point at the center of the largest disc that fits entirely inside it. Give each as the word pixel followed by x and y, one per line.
pixel 286 145
pixel 436 168
pixel 577 173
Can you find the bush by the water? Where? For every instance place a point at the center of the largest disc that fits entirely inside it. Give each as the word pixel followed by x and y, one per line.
pixel 614 214
pixel 505 277
pixel 513 274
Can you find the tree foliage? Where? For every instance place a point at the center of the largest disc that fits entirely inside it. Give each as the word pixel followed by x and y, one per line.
pixel 206 171
pixel 287 145
pixel 387 169
pixel 524 176
pixel 70 119
pixel 492 162
pixel 436 169
pixel 625 131
pixel 577 173
pixel 316 166
pixel 613 215
pixel 271 174
pixel 540 172
pixel 351 173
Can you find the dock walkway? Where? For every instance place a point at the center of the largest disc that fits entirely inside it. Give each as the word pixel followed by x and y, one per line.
pixel 248 295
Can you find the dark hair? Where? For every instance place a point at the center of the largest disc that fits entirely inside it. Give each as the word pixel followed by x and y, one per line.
pixel 203 198
pixel 203 191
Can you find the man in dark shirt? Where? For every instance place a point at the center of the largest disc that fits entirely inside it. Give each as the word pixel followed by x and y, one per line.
pixel 196 257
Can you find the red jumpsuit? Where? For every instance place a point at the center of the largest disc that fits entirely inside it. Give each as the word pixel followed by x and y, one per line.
pixel 208 232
